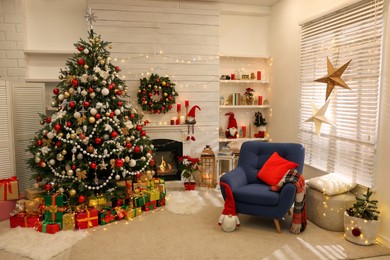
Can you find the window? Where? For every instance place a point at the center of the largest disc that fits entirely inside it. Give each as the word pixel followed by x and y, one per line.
pixel 352 33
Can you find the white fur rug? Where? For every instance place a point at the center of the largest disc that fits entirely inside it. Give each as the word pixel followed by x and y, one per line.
pixel 36 245
pixel 184 202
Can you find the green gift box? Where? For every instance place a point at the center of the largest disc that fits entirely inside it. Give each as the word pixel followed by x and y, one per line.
pixel 140 200
pixel 107 215
pixel 161 201
pixel 54 208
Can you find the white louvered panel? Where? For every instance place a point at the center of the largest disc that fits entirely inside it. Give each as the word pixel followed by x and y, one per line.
pixel 353 33
pixel 29 100
pixel 7 152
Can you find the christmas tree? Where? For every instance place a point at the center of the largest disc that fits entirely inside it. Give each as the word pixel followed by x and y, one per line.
pixel 95 138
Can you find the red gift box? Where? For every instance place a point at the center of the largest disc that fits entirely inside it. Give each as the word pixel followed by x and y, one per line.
pixel 49 228
pixel 24 220
pixel 149 205
pixel 87 219
pixel 6 207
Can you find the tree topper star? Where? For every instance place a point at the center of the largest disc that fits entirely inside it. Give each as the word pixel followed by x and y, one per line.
pixel 334 77
pixel 90 17
pixel 319 117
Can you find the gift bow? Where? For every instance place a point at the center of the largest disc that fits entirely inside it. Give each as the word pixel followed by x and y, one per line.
pixel 53 209
pixel 119 212
pixel 7 185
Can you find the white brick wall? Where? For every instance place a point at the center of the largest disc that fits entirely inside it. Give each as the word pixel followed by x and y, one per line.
pixel 12 40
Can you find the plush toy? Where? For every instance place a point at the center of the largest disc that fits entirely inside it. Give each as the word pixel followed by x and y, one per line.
pixel 229 219
pixel 190 121
pixel 232 130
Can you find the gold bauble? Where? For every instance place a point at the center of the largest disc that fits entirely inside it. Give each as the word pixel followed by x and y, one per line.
pixel 110 46
pixel 97 39
pixel 107 113
pixel 163 83
pixel 64 152
pixel 71 90
pixel 72 136
pixel 60 134
pixel 86 67
pixel 66 94
pixel 72 192
pixel 102 62
pixel 165 94
pixel 91 120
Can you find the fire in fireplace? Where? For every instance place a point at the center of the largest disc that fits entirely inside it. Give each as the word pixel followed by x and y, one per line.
pixel 166 157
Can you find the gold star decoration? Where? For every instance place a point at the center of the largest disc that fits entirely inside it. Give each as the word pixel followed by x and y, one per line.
pixel 125 130
pixel 46 142
pixel 319 117
pixel 81 119
pixel 103 166
pixel 334 77
pixel 81 175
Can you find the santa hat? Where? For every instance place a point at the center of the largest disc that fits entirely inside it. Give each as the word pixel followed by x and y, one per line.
pixel 192 111
pixel 230 205
pixel 232 121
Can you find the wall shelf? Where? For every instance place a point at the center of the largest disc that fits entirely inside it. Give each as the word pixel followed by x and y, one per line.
pixel 241 81
pixel 244 106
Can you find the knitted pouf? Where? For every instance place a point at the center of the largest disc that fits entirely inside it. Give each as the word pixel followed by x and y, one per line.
pixel 328 211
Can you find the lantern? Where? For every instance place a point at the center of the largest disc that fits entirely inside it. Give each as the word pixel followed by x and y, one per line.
pixel 207 159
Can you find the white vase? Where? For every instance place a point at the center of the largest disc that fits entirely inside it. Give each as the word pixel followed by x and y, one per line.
pixel 360 231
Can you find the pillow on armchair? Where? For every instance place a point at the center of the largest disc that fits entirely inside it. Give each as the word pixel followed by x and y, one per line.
pixel 274 169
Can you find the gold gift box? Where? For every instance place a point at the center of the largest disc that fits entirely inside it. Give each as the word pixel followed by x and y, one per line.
pixel 68 221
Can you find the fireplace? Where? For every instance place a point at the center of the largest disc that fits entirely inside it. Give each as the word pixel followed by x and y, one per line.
pixel 166 156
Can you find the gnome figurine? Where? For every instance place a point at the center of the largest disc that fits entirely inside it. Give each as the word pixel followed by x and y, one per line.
pixel 190 121
pixel 232 130
pixel 228 219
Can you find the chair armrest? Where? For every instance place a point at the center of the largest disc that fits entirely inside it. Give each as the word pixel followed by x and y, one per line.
pixel 235 178
pixel 287 195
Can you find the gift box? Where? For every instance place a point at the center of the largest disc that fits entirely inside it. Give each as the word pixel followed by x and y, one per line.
pixel 6 206
pixel 48 227
pixel 98 202
pixel 151 205
pixel 121 212
pixel 54 208
pixel 24 220
pixel 161 201
pixel 128 184
pixel 68 221
pixel 9 189
pixel 140 186
pixel 161 188
pixel 153 194
pixel 87 219
pixel 31 194
pixel 107 215
pixel 140 200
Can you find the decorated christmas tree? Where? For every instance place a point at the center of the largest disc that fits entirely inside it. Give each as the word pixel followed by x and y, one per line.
pixel 95 138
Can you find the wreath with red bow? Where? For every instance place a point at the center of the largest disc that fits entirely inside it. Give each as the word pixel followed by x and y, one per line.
pixel 156 94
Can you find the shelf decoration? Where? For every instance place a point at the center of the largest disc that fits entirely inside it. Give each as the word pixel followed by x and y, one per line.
pixel 156 94
pixel 232 129
pixel 249 96
pixel 333 78
pixel 319 117
pixel 260 123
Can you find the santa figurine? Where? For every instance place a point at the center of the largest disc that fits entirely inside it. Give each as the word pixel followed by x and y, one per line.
pixel 190 121
pixel 232 130
pixel 228 219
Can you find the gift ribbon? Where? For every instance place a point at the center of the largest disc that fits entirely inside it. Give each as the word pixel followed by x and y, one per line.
pixel 119 212
pixel 88 218
pixel 108 218
pixel 7 185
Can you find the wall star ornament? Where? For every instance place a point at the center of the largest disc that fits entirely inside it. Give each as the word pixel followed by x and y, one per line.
pixel 319 117
pixel 334 77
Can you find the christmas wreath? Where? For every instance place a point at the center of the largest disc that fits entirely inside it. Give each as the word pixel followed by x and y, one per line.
pixel 156 94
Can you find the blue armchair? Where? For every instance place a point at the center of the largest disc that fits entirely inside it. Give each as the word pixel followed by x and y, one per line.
pixel 251 195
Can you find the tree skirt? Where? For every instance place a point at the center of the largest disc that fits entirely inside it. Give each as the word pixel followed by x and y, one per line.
pixel 184 202
pixel 36 245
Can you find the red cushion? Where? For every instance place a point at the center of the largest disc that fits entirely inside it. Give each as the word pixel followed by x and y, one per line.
pixel 274 169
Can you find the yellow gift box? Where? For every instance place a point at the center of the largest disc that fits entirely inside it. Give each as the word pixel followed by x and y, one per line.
pixel 153 194
pixel 97 201
pixel 34 193
pixel 68 221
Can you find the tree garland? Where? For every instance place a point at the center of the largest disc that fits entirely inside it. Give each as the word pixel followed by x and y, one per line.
pixel 156 94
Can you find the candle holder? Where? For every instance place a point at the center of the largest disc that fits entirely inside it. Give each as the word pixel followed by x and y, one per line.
pixel 207 159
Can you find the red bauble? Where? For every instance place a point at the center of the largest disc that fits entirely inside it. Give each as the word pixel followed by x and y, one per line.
pixel 132 116
pixel 356 232
pixel 38 178
pixel 86 104
pixel 39 142
pixel 170 98
pixel 47 187
pixel 72 104
pixel 82 136
pixel 117 68
pixel 111 86
pixel 128 145
pixel 48 119
pixel 90 90
pixel 139 127
pixel 112 114
pixel 152 162
pixel 120 103
pixel 119 92
pixel 138 175
pixel 42 164
pixel 93 166
pixel 162 108
pixel 80 47
pixel 114 134
pixel 81 62
pixel 157 80
pixel 143 133
pixel 98 140
pixel 118 162
pixel 75 82
pixel 137 149
pixel 97 116
pixel 58 143
pixel 81 199
pixel 56 91
pixel 152 111
pixel 74 167
pixel 57 127
pixel 68 124
pixel 158 111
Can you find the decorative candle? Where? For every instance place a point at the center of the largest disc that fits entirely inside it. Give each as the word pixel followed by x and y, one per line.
pixel 258 75
pixel 178 121
pixel 178 107
pixel 186 103
pixel 172 121
pixel 260 100
pixel 182 119
pixel 243 131
pixel 232 76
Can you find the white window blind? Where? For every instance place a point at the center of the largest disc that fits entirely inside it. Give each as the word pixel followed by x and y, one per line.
pixel 352 33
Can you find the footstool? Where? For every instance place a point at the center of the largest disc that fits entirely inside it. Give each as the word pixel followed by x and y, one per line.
pixel 328 211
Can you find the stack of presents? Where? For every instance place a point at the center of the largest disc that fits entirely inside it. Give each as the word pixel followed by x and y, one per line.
pixel 48 212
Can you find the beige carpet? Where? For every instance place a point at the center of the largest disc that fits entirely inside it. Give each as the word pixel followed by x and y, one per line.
pixel 164 235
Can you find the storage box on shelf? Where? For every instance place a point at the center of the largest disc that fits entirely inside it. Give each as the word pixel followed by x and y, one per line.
pixel 237 75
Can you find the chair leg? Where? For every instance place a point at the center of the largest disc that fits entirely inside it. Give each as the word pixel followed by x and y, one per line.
pixel 277 225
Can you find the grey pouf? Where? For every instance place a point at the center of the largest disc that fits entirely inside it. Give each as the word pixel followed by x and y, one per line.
pixel 328 211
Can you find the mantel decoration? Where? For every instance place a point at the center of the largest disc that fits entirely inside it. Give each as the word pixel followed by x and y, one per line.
pixel 156 94
pixel 249 96
pixel 361 221
pixel 188 167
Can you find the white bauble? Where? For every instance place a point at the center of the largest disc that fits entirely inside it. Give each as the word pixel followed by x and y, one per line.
pixel 84 93
pixel 105 91
pixel 61 97
pixel 70 172
pixel 117 177
pixel 117 112
pixel 86 51
pixel 132 163
pixel 127 159
pixel 52 162
pixel 79 156
pixel 77 115
pixel 50 135
pixel 93 111
pixel 106 137
pixel 92 95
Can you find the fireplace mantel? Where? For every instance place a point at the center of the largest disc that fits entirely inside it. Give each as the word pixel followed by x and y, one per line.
pixel 173 132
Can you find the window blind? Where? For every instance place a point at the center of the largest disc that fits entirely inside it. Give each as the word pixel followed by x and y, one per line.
pixel 352 33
